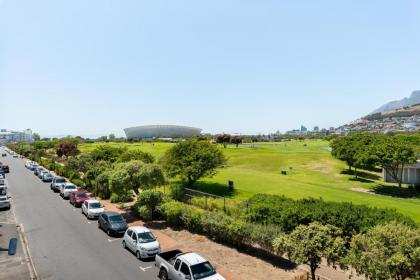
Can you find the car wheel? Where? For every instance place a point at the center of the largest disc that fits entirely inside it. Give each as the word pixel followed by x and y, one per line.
pixel 123 245
pixel 138 255
pixel 108 232
pixel 163 275
pixel 99 224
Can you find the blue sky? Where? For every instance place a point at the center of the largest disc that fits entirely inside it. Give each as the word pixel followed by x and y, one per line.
pixel 86 67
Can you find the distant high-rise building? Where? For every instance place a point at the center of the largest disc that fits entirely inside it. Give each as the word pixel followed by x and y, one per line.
pixel 303 128
pixel 316 128
pixel 16 136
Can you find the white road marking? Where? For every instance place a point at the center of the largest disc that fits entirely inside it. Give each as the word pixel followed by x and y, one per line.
pixel 145 268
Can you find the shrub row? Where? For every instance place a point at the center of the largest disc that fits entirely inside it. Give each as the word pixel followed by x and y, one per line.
pixel 288 213
pixel 219 226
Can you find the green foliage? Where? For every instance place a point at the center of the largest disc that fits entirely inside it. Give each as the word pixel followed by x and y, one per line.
pixel 78 182
pixel 288 213
pixel 219 226
pixel 192 160
pixel 129 155
pixel 141 175
pixel 389 251
pixel 107 153
pixel 145 213
pixel 310 244
pixel 392 154
pixel 150 199
pixel 123 197
pixel 119 182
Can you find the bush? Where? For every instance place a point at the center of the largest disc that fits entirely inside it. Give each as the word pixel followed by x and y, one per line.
pixel 218 226
pixel 78 182
pixel 145 213
pixel 117 198
pixel 150 199
pixel 288 213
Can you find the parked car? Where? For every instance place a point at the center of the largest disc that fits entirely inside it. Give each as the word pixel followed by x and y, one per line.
pixel 5 168
pixel 176 265
pixel 66 189
pixel 77 198
pixel 41 174
pixel 92 208
pixel 112 223
pixel 4 198
pixel 56 183
pixel 28 164
pixel 1 179
pixel 33 166
pixel 15 155
pixel 141 241
pixel 4 155
pixel 38 170
pixel 47 177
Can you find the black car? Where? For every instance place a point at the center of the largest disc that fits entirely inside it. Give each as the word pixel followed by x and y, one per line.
pixel 5 168
pixel 113 223
pixel 3 154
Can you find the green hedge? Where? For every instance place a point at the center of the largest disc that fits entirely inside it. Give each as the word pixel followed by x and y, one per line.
pixel 219 226
pixel 115 198
pixel 288 213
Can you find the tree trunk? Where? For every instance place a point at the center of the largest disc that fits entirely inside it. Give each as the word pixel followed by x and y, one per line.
pixel 313 269
pixel 355 172
pixel 349 168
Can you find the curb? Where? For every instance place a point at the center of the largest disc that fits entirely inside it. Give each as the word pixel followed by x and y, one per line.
pixel 28 258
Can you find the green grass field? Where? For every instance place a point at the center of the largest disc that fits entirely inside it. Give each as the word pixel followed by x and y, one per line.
pixel 311 172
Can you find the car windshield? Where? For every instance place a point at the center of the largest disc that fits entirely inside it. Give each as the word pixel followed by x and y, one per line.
pixel 81 195
pixel 47 175
pixel 116 219
pixel 60 180
pixel 95 205
pixel 70 187
pixel 202 270
pixel 146 237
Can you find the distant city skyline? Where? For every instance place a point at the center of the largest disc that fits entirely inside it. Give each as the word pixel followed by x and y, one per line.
pixel 92 68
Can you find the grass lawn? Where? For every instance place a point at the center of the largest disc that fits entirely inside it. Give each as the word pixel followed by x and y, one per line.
pixel 311 172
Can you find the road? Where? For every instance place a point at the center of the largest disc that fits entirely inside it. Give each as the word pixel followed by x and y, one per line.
pixel 62 242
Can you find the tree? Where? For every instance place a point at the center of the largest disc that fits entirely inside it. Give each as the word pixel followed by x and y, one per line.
pixel 344 149
pixel 192 160
pixel 135 155
pixel 390 251
pixel 36 136
pixel 66 148
pixel 236 140
pixel 393 154
pixel 150 199
pixel 111 137
pixel 120 182
pixel 309 244
pixel 150 176
pixel 223 139
pixel 141 175
pixel 107 153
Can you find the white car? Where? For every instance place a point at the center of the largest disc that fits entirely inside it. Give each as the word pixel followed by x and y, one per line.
pixel 4 198
pixel 66 189
pixel 28 164
pixel 141 241
pixel 92 208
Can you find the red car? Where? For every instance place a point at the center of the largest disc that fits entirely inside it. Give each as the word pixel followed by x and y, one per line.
pixel 77 198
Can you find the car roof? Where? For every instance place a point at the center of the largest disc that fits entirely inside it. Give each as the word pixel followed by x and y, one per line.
pixel 93 201
pixel 193 258
pixel 110 213
pixel 139 229
pixel 68 184
pixel 79 192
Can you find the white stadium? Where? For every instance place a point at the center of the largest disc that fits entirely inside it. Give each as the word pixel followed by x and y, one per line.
pixel 161 131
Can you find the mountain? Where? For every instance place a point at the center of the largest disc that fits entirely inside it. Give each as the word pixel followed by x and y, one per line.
pixel 405 102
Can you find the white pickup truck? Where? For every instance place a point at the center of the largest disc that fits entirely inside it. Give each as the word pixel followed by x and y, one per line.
pixel 175 265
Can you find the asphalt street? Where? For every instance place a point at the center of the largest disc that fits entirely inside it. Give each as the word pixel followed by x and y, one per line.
pixel 62 242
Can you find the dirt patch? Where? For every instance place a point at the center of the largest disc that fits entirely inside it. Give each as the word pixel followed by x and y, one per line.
pixel 356 189
pixel 243 265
